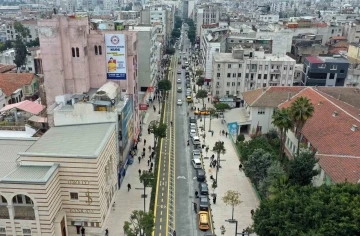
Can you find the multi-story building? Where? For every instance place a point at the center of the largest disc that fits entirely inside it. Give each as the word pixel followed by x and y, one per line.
pixel 270 18
pixel 30 24
pixel 247 42
pixel 353 75
pixel 207 14
pixel 162 14
pixel 151 40
pixel 187 9
pixel 127 15
pixel 352 32
pixel 247 69
pixel 212 41
pixel 325 71
pixel 8 57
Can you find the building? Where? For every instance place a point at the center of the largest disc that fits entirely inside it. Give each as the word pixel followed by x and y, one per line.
pixel 187 9
pixel 352 32
pixel 127 15
pixel 29 24
pixel 212 41
pixel 248 42
pixel 19 86
pixel 269 18
pixel 353 75
pixel 261 103
pixel 332 133
pixel 207 14
pixel 325 71
pixel 151 40
pixel 247 69
pixel 8 57
pixel 69 175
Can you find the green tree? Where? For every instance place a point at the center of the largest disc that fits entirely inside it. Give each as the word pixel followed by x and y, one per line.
pixel 257 164
pixel 308 210
pixel 240 138
pixel 178 22
pixel 200 82
pixel 22 31
pixel 199 72
pixel 273 173
pixel 159 131
pixel 147 179
pixel 20 52
pixel 300 111
pixel 6 45
pixel 218 148
pixel 212 113
pixel 170 51
pixel 201 94
pixel 282 120
pixel 246 148
pixel 222 106
pixel 176 33
pixel 164 85
pixel 141 223
pixel 232 198
pixel 33 43
pixel 301 169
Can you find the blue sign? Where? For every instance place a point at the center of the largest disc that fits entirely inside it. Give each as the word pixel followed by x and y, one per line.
pixel 127 125
pixel 233 128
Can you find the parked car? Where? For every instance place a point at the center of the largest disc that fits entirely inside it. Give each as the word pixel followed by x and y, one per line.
pixel 192 120
pixel 179 102
pixel 178 81
pixel 196 163
pixel 179 71
pixel 192 126
pixel 204 203
pixel 192 133
pixel 203 189
pixel 200 175
pixel 201 112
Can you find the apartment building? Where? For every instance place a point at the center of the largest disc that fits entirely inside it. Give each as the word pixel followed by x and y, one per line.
pixel 353 75
pixel 247 69
pixel 269 18
pixel 127 15
pixel 207 14
pixel 187 9
pixel 8 56
pixel 248 42
pixel 30 24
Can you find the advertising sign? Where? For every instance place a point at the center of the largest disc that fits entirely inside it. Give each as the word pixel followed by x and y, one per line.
pixel 143 107
pixel 115 56
pixel 127 124
pixel 233 128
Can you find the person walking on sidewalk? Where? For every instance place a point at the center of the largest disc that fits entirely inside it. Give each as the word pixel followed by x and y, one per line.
pixel 144 142
pixel 129 187
pixel 139 158
pixel 139 172
pixel 148 162
pixel 214 199
pixel 154 108
pixel 106 232
pixel 82 231
pixel 144 149
pixel 212 133
pixel 149 148
pixel 226 133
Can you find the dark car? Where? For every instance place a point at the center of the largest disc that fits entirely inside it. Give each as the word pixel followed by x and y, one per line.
pixel 186 73
pixel 200 175
pixel 192 120
pixel 203 189
pixel 204 203
pixel 183 66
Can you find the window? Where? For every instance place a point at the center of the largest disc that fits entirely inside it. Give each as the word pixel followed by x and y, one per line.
pixel 251 76
pixel 290 67
pixel 228 84
pixel 228 75
pixel 246 75
pixel 73 52
pixel 259 76
pixel 322 66
pixel 233 84
pixel 85 50
pixel 218 65
pixel 285 67
pixel 266 67
pixel 26 232
pixel 333 67
pixel 100 50
pixel 234 75
pixel 240 66
pixel 239 74
pixel 342 71
pixel 96 50
pixel 261 111
pixel 2 231
pixel 218 75
pixel 74 196
pixel 77 52
pixel 217 83
pixel 229 65
pixel 227 92
pixel 237 92
pixel 238 83
pixel 260 67
pixel 217 92
pixel 265 76
pixel 247 66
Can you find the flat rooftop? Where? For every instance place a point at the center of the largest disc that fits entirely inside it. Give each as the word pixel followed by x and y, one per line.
pixel 228 57
pixel 74 141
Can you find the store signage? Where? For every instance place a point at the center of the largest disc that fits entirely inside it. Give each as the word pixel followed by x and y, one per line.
pixel 143 107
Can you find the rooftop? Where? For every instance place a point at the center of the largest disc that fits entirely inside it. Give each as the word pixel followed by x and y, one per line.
pixel 78 141
pixel 319 60
pixel 228 57
pixel 10 82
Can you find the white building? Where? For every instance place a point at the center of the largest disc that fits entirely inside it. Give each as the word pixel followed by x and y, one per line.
pixel 246 69
pixel 30 24
pixel 270 18
pixel 8 56
pixel 212 41
pixel 207 14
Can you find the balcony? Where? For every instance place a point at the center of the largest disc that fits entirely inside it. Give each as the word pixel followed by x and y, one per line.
pixel 275 71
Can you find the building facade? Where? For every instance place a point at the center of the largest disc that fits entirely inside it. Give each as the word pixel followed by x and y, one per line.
pixel 246 69
pixel 207 14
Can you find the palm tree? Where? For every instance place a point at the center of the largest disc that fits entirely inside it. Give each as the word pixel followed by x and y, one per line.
pixel 300 111
pixel 218 149
pixel 282 120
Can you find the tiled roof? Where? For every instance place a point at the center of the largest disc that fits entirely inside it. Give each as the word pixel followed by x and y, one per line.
pixel 331 135
pixel 271 96
pixel 314 59
pixel 341 44
pixel 337 37
pixel 6 68
pixel 348 95
pixel 341 168
pixel 9 82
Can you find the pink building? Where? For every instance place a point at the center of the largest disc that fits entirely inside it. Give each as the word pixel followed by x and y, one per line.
pixel 74 60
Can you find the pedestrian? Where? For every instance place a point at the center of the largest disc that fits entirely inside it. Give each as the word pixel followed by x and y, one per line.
pixel 143 154
pixel 148 130
pixel 129 187
pixel 150 170
pixel 196 194
pixel 152 154
pixel 148 162
pixel 82 231
pixel 139 172
pixel 252 213
pixel 154 108
pixel 223 132
pixel 211 163
pixel 152 164
pixel 240 166
pixel 144 149
pixel 208 99
pixel 149 148
pixel 144 142
pixel 135 147
pixel 243 232
pixel 226 134
pixel 150 157
pixel 139 158
pixel 212 133
pixel 106 232
pixel 214 199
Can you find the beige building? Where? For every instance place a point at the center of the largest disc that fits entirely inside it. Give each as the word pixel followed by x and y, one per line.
pixel 56 184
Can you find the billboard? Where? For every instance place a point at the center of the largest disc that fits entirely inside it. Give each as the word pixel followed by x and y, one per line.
pixel 115 56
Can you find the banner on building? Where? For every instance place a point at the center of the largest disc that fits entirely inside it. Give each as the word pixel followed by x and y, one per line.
pixel 127 121
pixel 115 56
pixel 233 128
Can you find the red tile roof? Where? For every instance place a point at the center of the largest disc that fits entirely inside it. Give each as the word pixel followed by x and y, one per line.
pixel 314 59
pixel 331 135
pixel 6 68
pixel 337 37
pixel 9 82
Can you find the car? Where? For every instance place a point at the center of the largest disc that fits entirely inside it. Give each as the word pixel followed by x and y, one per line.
pixel 192 133
pixel 186 63
pixel 200 175
pixel 196 152
pixel 203 189
pixel 183 67
pixel 202 112
pixel 204 203
pixel 189 99
pixel 188 93
pixel 179 89
pixel 196 163
pixel 188 90
pixel 179 72
pixel 178 81
pixel 192 120
pixel 187 85
pixel 179 63
pixel 186 73
pixel 192 126
pixel 179 102
pixel 196 140
pixel 203 220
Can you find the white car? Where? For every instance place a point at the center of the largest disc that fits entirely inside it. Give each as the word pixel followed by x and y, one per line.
pixel 179 72
pixel 196 163
pixel 178 81
pixel 196 154
pixel 192 126
pixel 179 102
pixel 192 133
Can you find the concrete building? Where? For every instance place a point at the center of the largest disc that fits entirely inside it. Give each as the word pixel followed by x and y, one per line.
pixel 212 41
pixel 325 71
pixel 248 42
pixel 127 15
pixel 69 175
pixel 150 39
pixel 8 57
pixel 187 9
pixel 353 75
pixel 207 14
pixel 246 69
pixel 352 32
pixel 269 18
pixel 30 24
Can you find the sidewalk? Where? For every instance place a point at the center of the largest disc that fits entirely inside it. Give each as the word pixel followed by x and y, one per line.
pixel 229 178
pixel 126 202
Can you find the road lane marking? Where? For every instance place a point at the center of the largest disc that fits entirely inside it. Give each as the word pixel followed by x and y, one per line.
pixel 161 213
pixel 160 219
